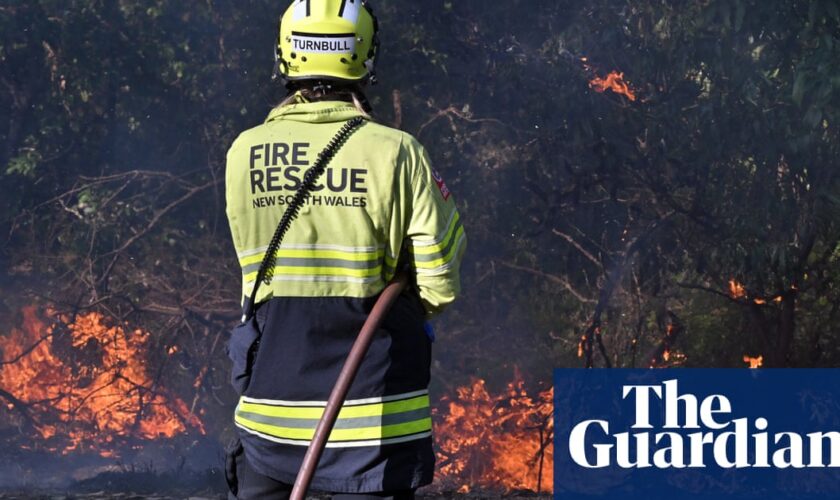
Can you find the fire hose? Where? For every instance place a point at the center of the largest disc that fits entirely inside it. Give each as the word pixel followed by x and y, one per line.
pixel 342 385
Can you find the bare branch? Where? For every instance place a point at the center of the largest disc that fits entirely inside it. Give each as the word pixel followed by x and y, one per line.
pixel 552 278
pixel 692 286
pixel 579 247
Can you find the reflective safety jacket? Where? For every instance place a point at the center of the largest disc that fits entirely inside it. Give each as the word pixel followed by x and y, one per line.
pixel 378 206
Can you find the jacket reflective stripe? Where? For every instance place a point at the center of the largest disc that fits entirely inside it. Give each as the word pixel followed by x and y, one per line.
pixel 361 263
pixel 435 256
pixel 439 252
pixel 347 403
pixel 341 435
pixel 315 412
pixel 314 272
pixel 344 423
pixel 289 262
pixel 443 255
pixel 311 268
pixel 367 422
pixel 418 245
pixel 445 263
pixel 284 253
pixel 337 248
pixel 327 279
pixel 342 444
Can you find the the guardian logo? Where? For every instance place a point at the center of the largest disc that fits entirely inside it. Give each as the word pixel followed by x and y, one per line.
pixel 694 432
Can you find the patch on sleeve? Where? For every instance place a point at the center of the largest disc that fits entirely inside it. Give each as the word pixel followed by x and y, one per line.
pixel 441 185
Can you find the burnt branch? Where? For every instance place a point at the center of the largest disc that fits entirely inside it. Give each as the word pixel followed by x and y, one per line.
pixel 612 280
pixel 550 277
pixel 586 253
pixel 21 407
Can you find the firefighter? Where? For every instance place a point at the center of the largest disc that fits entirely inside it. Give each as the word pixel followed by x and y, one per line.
pixel 378 207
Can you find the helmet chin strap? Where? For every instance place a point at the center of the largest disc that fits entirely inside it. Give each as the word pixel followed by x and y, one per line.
pixel 276 74
pixel 370 64
pixel 323 86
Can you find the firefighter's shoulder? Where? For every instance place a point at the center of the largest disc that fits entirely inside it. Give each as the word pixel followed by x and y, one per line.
pixel 388 137
pixel 404 147
pixel 249 136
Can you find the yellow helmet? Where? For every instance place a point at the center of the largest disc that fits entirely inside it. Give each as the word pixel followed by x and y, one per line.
pixel 328 39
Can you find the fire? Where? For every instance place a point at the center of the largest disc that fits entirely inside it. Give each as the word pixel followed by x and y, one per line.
pixel 495 442
pixel 84 385
pixel 670 359
pixel 737 290
pixel 614 82
pixel 754 362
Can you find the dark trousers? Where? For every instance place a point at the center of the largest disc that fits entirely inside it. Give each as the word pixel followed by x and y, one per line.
pixel 247 484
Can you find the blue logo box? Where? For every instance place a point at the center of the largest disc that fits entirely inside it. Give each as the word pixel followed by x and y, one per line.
pixel 697 434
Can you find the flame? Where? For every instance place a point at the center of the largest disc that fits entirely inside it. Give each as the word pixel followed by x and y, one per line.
pixel 670 359
pixel 85 384
pixel 495 442
pixel 614 82
pixel 754 362
pixel 737 290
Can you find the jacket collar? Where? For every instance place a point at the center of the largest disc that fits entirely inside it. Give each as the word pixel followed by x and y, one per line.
pixel 315 112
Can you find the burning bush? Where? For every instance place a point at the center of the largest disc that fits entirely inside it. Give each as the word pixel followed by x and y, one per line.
pixel 84 385
pixel 495 442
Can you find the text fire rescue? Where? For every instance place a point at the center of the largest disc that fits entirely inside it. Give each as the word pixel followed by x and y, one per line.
pixel 280 167
pixel 678 449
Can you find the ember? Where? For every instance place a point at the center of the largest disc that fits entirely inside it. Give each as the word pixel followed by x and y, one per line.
pixel 739 292
pixel 754 362
pixel 84 385
pixel 495 442
pixel 614 82
pixel 670 359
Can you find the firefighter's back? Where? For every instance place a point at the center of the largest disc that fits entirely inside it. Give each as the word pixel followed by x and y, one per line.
pixel 334 261
pixel 378 207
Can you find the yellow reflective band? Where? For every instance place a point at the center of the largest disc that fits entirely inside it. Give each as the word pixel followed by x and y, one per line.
pixel 434 264
pixel 315 254
pixel 366 433
pixel 308 412
pixel 367 424
pixel 390 261
pixel 437 246
pixel 321 271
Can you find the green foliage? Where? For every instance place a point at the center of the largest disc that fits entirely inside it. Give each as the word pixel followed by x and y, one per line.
pixel 24 164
